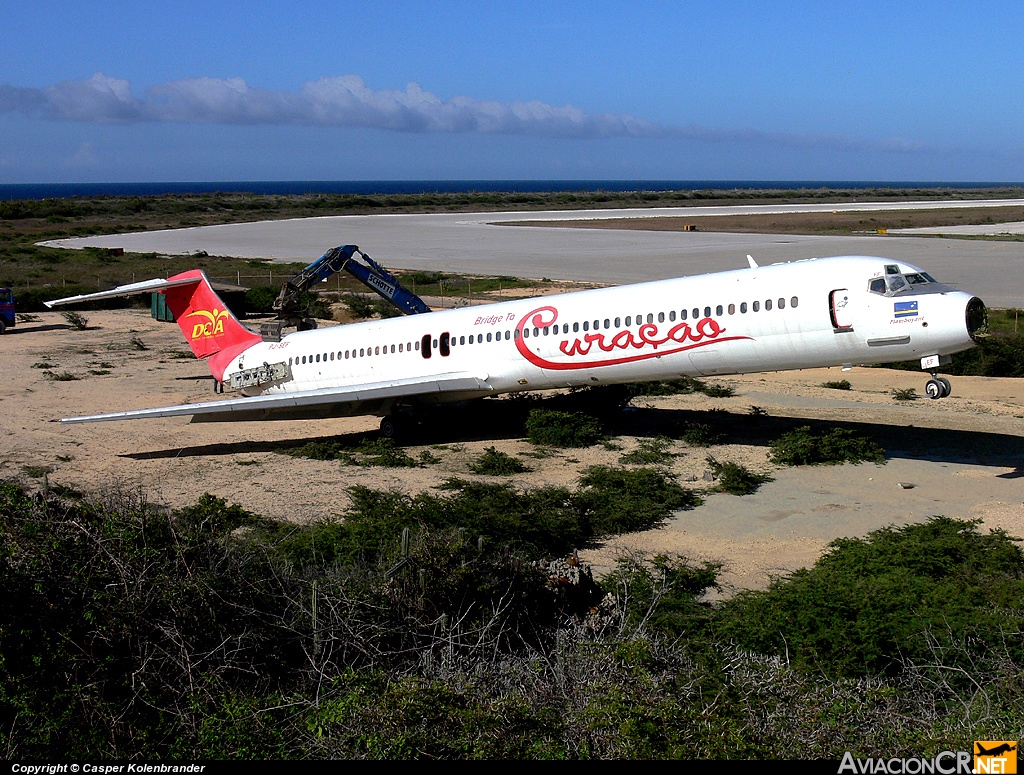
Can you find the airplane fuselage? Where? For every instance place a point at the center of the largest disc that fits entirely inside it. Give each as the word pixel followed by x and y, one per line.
pixel 818 312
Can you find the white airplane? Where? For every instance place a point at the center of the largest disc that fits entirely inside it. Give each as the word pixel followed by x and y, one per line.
pixel 841 311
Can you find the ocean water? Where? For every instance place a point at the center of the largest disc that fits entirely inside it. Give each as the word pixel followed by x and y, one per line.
pixel 49 190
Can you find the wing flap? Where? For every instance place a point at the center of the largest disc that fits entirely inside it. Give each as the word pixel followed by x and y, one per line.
pixel 245 408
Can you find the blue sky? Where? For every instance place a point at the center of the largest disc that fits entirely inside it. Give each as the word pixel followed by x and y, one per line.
pixel 126 91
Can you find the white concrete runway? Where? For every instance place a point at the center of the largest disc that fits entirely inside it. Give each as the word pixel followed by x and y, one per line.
pixel 477 243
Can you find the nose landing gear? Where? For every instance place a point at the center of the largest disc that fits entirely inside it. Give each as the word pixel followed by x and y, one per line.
pixel 938 387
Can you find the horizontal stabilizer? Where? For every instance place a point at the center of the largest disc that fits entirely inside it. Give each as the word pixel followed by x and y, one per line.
pixel 146 286
pixel 244 408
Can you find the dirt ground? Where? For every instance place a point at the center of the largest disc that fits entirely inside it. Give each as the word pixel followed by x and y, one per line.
pixel 834 222
pixel 961 457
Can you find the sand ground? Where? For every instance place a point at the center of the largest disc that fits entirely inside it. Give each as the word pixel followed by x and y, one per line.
pixel 963 455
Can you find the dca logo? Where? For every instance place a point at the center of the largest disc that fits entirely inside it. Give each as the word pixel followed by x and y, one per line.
pixel 210 324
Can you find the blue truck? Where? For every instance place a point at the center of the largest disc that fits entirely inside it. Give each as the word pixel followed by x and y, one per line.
pixel 6 309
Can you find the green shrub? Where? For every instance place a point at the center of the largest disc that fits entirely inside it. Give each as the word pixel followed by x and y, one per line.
pixel 918 593
pixel 260 299
pixel 76 320
pixel 842 384
pixel 649 452
pixel 563 429
pixel 626 500
pixel 802 447
pixel 360 306
pixel 700 434
pixel 495 463
pixel 905 394
pixel 736 479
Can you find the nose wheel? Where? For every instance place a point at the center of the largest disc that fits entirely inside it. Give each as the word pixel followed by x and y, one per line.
pixel 938 387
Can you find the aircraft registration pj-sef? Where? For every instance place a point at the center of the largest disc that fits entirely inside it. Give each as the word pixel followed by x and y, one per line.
pixel 840 311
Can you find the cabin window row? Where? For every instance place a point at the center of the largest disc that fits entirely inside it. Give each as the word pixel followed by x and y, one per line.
pixel 362 352
pixel 446 340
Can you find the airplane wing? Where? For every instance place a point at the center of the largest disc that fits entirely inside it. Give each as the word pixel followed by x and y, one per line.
pixel 330 402
pixel 146 286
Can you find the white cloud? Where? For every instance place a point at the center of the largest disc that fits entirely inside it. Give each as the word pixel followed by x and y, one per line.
pixel 346 101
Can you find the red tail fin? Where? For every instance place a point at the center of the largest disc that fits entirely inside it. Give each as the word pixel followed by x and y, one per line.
pixel 207 323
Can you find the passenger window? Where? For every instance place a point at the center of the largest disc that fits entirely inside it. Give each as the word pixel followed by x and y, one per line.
pixel 672 316
pixel 488 336
pixel 707 312
pixel 576 327
pixel 546 330
pixel 743 308
pixel 425 346
pixel 318 357
pixel 629 321
pixel 718 310
pixel 607 323
pixel 586 325
pixel 400 346
pixel 376 350
pixel 782 303
pixel 732 309
pixel 696 313
pixel 462 340
pixel 756 306
pixel 526 334
pixel 565 328
pixel 515 333
pixel 650 317
pixel 618 322
pixel 661 317
pixel 507 336
pixel 444 348
pixel 682 314
pixel 794 301
pixel 597 324
pixel 767 305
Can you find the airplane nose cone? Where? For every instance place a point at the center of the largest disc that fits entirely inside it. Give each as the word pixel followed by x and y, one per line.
pixel 977 319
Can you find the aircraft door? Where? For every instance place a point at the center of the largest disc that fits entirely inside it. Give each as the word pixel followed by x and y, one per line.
pixel 840 309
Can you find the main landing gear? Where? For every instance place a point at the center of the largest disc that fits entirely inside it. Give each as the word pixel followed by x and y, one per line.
pixel 938 387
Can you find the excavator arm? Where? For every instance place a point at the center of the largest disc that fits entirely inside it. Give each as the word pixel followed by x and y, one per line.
pixel 341 258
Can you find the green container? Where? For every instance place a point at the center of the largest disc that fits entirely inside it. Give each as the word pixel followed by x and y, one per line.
pixel 158 308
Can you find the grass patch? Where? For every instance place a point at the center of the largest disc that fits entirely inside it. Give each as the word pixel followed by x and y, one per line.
pixel 60 376
pixel 905 394
pixel 840 384
pixel 495 463
pixel 562 429
pixel 803 447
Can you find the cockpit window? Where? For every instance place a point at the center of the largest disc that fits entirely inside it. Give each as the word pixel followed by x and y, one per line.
pixel 894 282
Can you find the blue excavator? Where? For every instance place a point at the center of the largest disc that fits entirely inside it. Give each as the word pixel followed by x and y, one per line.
pixel 344 258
